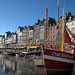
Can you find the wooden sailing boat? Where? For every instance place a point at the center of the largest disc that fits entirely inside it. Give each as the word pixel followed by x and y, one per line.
pixel 57 61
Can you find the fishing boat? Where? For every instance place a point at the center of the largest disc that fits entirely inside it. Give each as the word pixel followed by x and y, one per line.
pixel 58 62
pixel 32 51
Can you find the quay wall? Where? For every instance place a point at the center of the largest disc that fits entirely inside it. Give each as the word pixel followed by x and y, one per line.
pixel 17 50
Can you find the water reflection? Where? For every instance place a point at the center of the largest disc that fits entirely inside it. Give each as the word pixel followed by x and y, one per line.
pixel 20 66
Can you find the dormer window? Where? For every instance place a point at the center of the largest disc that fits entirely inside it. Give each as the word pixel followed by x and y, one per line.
pixel 50 24
pixel 69 18
pixel 72 23
pixel 53 23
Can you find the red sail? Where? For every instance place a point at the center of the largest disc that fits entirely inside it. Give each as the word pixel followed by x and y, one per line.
pixel 67 37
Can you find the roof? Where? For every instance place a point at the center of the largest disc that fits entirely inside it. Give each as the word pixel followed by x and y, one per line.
pixel 1 35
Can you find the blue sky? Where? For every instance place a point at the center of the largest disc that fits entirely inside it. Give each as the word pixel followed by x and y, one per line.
pixel 14 13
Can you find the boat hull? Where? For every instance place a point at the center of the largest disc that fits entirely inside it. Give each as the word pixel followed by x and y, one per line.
pixel 56 67
pixel 11 53
pixel 57 62
pixel 31 54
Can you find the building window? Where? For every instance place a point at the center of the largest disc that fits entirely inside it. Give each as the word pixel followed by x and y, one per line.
pixel 50 24
pixel 51 28
pixel 72 23
pixel 69 19
pixel 60 24
pixel 53 23
pixel 53 31
pixel 53 36
pixel 49 33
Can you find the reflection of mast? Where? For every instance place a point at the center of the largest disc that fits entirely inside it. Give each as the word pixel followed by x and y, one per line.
pixel 46 25
pixel 58 26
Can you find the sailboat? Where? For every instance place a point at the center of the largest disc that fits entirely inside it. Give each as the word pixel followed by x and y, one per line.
pixel 58 61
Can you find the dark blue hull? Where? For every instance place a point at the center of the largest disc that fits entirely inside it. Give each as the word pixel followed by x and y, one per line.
pixel 32 54
pixel 11 53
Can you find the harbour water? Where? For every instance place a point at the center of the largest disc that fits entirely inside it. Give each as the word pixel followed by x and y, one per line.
pixel 19 66
pixel 11 65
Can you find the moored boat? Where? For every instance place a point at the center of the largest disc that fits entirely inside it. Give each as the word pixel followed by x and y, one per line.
pixel 19 55
pixel 11 53
pixel 57 61
pixel 31 51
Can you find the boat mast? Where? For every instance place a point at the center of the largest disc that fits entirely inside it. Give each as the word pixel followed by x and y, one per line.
pixel 63 25
pixel 58 25
pixel 45 31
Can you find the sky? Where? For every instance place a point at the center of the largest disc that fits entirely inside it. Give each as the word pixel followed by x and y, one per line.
pixel 14 13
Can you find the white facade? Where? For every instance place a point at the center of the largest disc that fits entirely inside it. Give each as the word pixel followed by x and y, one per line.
pixel 1 41
pixel 30 33
pixel 10 39
pixel 42 32
pixel 5 35
pixel 19 35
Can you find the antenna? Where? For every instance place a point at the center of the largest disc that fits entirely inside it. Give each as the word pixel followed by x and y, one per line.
pixel 58 2
pixel 63 11
pixel 46 4
pixel 64 3
pixel 58 12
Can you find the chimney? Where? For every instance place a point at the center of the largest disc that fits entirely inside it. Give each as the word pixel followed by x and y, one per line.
pixel 25 27
pixel 49 18
pixel 60 17
pixel 69 14
pixel 19 27
pixel 38 21
pixel 43 20
pixel 66 15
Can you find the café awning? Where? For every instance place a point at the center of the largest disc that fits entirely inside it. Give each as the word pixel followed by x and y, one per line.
pixel 33 47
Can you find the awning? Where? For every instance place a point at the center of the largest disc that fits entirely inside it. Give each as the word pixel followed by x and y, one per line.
pixel 23 47
pixel 33 47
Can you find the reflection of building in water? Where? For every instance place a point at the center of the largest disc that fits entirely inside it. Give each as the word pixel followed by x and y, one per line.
pixel 25 66
pixel 21 66
pixel 0 62
pixel 28 67
pixel 1 56
pixel 8 65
